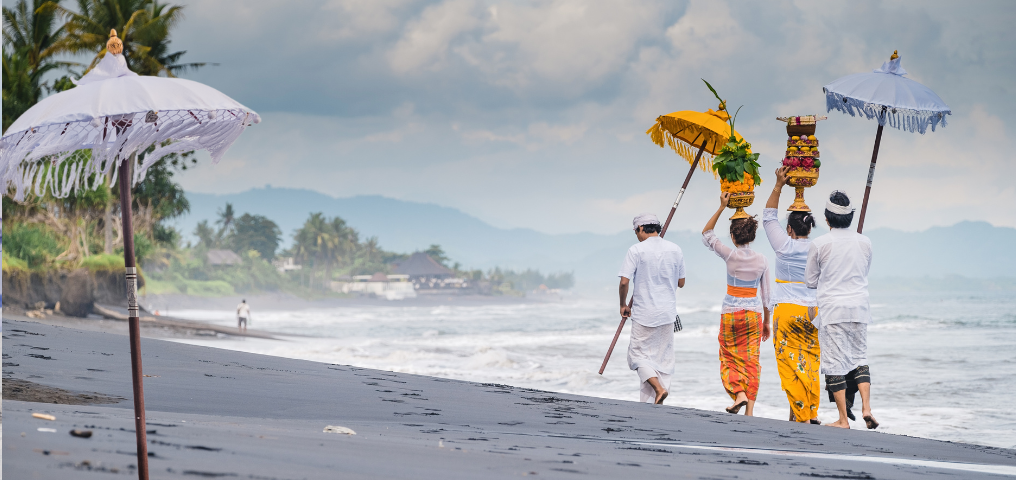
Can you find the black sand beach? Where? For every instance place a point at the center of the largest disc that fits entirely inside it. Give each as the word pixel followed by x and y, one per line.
pixel 221 414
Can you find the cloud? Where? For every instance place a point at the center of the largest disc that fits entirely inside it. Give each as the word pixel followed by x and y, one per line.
pixel 360 19
pixel 425 40
pixel 520 112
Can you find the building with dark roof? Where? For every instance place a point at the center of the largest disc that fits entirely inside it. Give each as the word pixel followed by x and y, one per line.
pixel 223 257
pixel 419 265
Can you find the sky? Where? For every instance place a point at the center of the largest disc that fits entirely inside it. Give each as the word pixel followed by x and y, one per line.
pixel 533 113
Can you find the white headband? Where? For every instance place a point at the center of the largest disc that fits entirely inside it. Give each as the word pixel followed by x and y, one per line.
pixel 839 209
pixel 645 219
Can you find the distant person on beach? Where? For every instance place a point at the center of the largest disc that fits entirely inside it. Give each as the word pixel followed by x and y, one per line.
pixel 838 266
pixel 242 315
pixel 793 307
pixel 744 319
pixel 654 268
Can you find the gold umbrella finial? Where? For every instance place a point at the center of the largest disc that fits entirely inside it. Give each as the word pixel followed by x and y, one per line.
pixel 723 106
pixel 896 54
pixel 114 45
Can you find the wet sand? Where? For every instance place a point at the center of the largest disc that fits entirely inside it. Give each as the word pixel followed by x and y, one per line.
pixel 215 413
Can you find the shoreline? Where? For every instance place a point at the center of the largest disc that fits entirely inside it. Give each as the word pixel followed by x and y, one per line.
pixel 222 412
pixel 285 301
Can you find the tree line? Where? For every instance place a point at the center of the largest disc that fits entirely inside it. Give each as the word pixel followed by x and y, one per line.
pixel 44 231
pixel 48 233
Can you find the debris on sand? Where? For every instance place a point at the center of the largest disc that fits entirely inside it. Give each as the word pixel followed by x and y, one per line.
pixel 337 429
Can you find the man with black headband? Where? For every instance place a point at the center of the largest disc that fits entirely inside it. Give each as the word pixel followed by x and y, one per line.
pixel 838 266
pixel 655 268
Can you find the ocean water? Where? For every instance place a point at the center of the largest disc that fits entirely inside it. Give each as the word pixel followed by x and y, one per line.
pixel 941 363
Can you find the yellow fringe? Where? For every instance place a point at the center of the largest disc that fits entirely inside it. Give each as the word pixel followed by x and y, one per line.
pixel 661 134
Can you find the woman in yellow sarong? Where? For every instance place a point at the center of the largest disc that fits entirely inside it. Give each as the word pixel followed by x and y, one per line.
pixel 794 336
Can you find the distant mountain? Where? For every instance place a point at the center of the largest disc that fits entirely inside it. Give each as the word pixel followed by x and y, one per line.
pixel 968 249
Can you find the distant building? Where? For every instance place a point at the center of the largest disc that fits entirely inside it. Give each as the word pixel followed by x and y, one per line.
pixel 217 257
pixel 392 287
pixel 419 266
pixel 285 264
pixel 428 276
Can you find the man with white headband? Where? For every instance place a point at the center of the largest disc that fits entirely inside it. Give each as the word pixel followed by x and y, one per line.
pixel 655 269
pixel 838 266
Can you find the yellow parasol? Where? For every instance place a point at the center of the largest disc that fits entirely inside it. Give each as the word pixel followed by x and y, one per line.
pixel 685 131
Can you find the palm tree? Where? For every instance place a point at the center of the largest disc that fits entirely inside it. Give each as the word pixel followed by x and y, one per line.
pixel 226 218
pixel 205 234
pixel 318 243
pixel 30 38
pixel 142 25
pixel 160 45
pixel 32 30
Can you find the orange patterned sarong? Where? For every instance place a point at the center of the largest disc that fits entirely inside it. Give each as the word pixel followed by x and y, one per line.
pixel 740 336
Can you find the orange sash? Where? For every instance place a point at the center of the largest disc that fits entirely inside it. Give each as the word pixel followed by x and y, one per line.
pixel 741 292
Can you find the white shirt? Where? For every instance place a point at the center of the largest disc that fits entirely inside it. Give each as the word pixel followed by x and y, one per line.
pixel 838 266
pixel 653 266
pixel 243 310
pixel 791 260
pixel 745 268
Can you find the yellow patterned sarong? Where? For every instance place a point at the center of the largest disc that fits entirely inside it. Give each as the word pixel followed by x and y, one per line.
pixel 797 359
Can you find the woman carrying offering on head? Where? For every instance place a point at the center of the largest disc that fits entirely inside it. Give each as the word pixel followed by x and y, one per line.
pixel 744 322
pixel 794 336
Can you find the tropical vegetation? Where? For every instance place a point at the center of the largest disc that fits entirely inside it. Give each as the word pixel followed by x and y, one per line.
pixel 45 233
pixel 49 232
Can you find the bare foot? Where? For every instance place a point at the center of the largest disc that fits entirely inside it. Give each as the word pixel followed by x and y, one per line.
pixel 869 421
pixel 661 396
pixel 839 424
pixel 736 408
pixel 740 401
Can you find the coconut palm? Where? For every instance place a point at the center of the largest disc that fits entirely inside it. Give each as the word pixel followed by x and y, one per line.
pixel 142 25
pixel 30 37
pixel 320 244
pixel 32 29
pixel 226 218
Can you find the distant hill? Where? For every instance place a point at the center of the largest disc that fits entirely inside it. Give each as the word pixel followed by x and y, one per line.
pixel 968 249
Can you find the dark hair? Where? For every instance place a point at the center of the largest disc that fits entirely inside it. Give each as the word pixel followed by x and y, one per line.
pixel 836 220
pixel 801 223
pixel 651 228
pixel 743 230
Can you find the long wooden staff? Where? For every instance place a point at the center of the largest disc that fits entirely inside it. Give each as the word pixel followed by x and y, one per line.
pixel 662 233
pixel 871 176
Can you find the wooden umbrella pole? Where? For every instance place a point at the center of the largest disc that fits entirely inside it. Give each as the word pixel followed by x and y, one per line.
pixel 871 176
pixel 684 187
pixel 133 319
pixel 673 209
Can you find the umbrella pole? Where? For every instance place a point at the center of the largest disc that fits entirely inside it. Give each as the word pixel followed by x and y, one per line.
pixel 684 186
pixel 662 233
pixel 132 313
pixel 871 176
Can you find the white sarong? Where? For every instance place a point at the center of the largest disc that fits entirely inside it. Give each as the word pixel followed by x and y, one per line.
pixel 844 347
pixel 651 354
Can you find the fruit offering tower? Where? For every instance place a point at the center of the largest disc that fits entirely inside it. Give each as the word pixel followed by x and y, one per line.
pixel 802 157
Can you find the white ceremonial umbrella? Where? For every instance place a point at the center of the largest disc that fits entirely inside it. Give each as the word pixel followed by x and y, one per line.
pixel 885 95
pixel 77 138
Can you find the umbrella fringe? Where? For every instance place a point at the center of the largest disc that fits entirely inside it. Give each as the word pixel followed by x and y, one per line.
pixel 900 118
pixel 660 134
pixel 60 159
